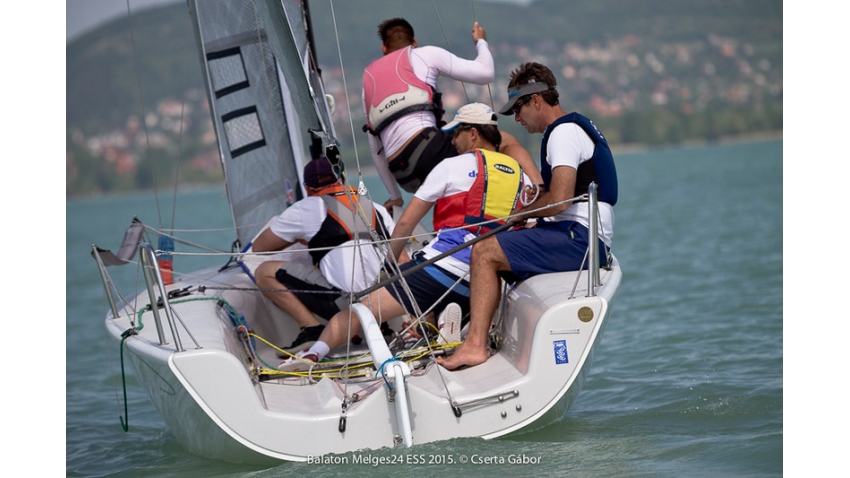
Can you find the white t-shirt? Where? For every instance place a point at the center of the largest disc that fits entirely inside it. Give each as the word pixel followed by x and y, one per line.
pixel 342 266
pixel 451 176
pixel 429 63
pixel 570 146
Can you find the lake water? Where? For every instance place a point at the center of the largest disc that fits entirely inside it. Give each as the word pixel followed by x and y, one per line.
pixel 687 381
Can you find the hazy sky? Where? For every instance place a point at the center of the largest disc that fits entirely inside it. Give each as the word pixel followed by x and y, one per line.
pixel 83 15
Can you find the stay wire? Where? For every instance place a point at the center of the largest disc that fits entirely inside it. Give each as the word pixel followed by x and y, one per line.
pixel 489 91
pixel 345 90
pixel 142 106
pixel 362 189
pixel 440 20
pixel 182 123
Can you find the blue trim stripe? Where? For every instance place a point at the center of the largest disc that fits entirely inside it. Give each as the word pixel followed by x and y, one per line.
pixel 446 280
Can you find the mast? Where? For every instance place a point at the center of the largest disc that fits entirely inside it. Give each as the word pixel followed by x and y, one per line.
pixel 308 20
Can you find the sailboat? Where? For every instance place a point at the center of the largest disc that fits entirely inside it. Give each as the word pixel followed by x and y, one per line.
pixel 204 344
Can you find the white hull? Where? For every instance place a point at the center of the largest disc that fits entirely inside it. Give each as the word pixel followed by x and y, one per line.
pixel 213 402
pixel 270 114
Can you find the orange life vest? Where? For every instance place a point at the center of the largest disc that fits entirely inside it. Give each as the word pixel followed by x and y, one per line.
pixel 340 224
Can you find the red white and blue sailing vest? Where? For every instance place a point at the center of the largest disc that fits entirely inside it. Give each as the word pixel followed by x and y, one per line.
pixel 494 194
pixel 391 90
pixel 340 223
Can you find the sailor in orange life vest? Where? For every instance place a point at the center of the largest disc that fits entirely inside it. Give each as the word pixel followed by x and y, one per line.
pixel 466 191
pixel 404 109
pixel 325 219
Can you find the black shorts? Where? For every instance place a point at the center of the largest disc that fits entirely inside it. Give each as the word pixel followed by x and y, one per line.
pixel 418 158
pixel 311 288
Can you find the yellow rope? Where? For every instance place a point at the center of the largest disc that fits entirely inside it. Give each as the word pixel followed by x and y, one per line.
pixel 334 368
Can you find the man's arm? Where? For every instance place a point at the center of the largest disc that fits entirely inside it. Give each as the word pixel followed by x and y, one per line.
pixel 479 71
pixel 561 188
pixel 383 169
pixel 268 241
pixel 406 223
pixel 511 146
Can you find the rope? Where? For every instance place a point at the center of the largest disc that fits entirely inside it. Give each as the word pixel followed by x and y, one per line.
pixel 125 425
pixel 363 191
pixel 383 374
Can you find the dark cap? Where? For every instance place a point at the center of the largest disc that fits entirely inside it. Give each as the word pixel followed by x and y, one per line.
pixel 519 91
pixel 319 173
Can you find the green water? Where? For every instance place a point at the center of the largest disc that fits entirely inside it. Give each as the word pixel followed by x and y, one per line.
pixel 688 379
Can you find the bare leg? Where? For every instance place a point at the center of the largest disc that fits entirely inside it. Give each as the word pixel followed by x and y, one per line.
pixel 277 292
pixel 383 306
pixel 485 291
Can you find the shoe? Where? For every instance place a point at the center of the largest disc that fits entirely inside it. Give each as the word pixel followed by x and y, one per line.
pixel 306 338
pixel 388 333
pixel 449 324
pixel 301 362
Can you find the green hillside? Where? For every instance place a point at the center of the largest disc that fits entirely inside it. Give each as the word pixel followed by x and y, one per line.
pixel 648 72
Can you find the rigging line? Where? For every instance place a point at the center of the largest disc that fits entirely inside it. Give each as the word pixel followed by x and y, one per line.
pixel 440 20
pixel 358 212
pixel 162 232
pixel 362 187
pixel 436 258
pixel 507 225
pixel 392 266
pixel 379 241
pixel 182 123
pixel 202 231
pixel 312 93
pixel 345 90
pixel 142 106
pixel 489 91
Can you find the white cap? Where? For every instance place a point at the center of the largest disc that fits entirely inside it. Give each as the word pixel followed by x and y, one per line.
pixel 473 113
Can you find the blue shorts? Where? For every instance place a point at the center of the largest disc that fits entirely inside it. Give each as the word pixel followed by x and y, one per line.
pixel 427 285
pixel 548 247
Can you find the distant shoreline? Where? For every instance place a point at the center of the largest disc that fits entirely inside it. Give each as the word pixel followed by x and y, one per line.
pixel 744 138
pixel 369 170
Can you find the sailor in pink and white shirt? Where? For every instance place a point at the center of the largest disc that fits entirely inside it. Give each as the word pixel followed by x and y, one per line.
pixel 404 109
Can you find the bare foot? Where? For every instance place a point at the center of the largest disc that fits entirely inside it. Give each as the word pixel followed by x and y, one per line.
pixel 464 356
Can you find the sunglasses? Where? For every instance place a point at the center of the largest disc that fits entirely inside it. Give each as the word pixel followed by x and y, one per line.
pixel 460 129
pixel 520 103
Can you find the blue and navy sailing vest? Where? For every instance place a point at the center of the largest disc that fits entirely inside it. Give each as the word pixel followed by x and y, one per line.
pixel 599 168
